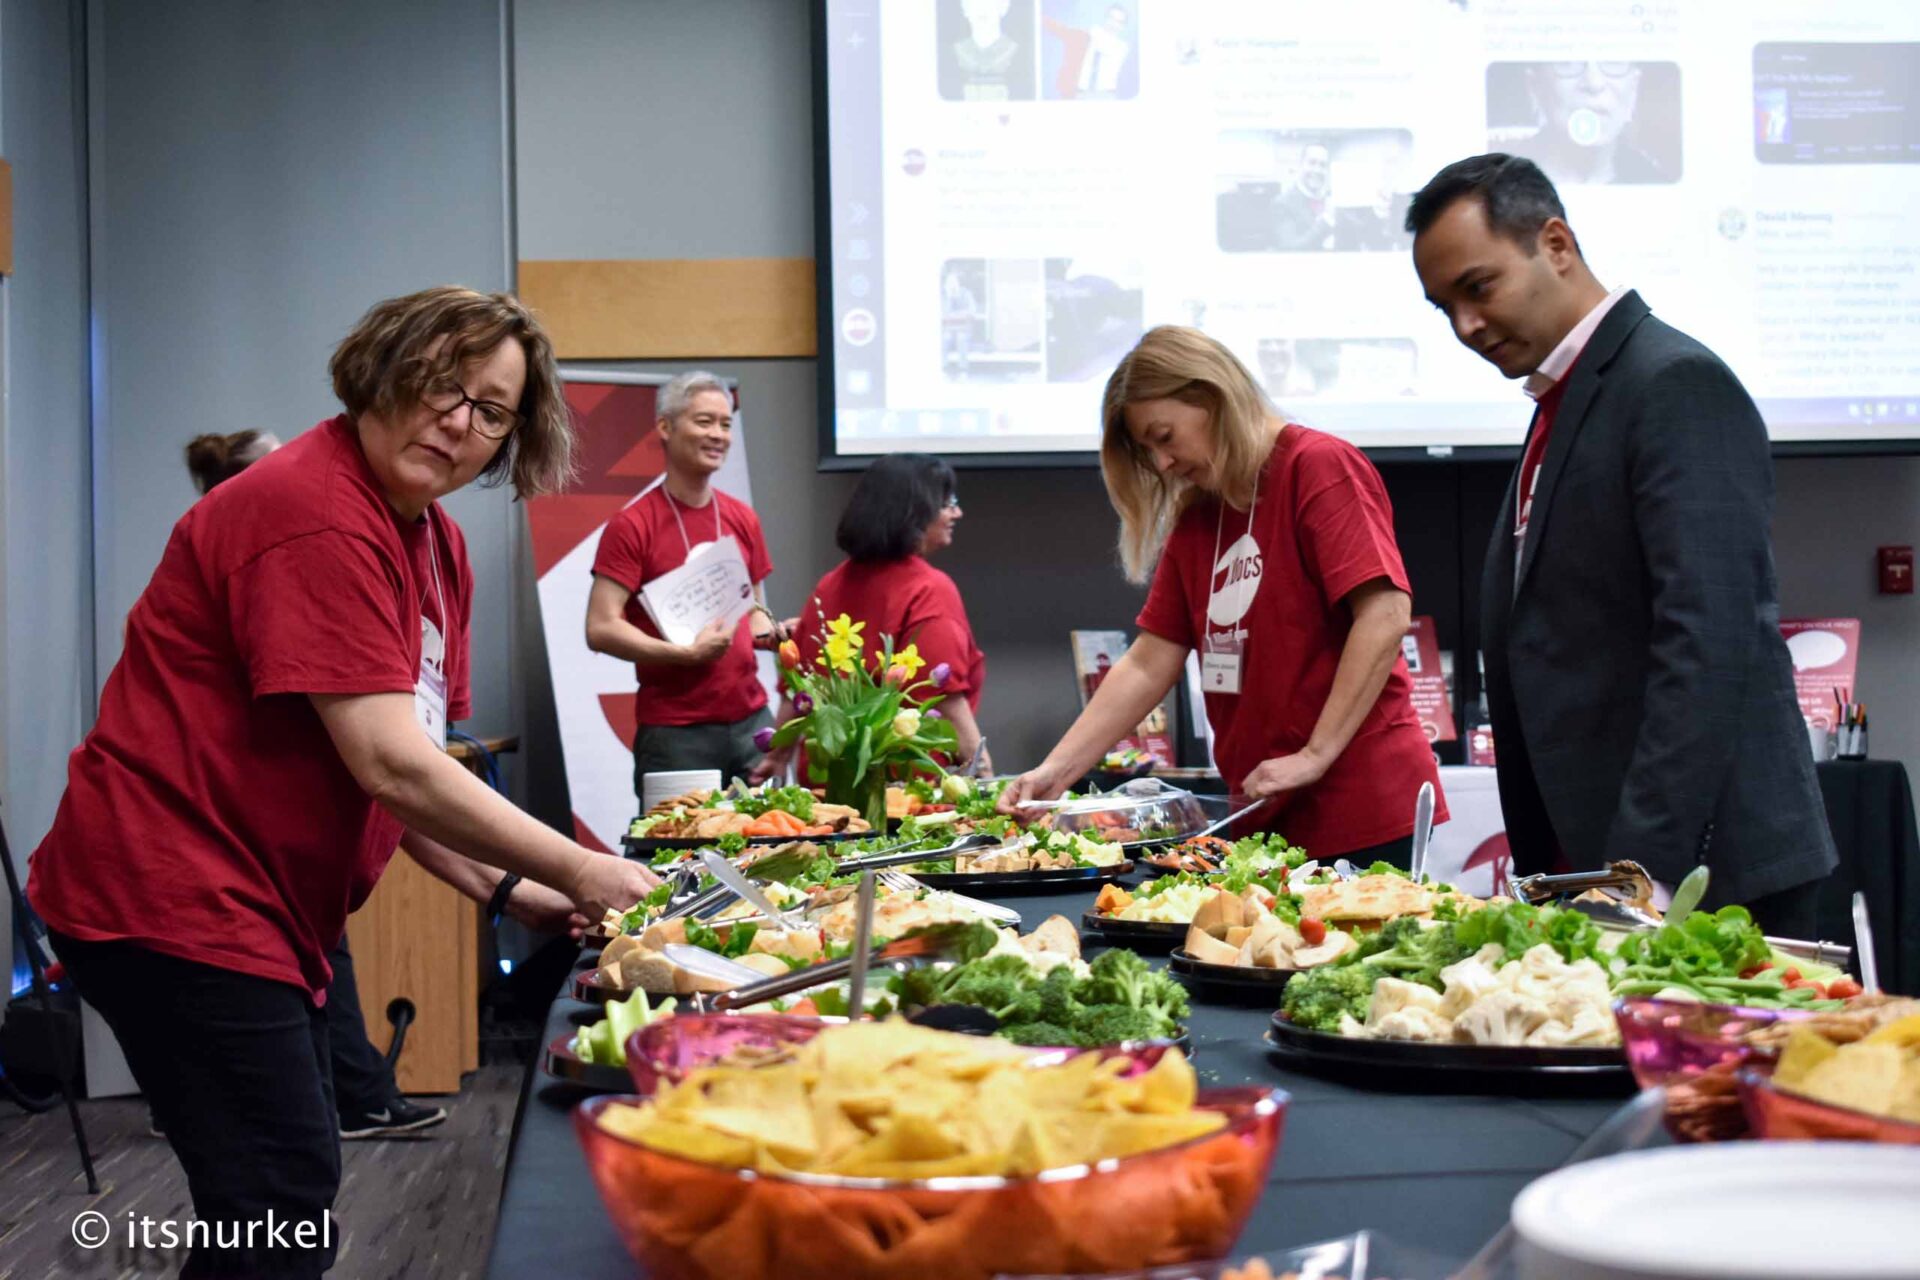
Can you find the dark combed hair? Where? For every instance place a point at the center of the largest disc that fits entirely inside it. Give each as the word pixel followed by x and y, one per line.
pixel 215 459
pixel 892 506
pixel 1517 196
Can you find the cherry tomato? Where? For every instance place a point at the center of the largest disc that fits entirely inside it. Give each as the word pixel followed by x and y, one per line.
pixel 1843 989
pixel 1790 977
pixel 1756 970
pixel 1313 931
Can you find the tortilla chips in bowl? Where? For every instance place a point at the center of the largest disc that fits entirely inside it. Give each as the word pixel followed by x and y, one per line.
pixel 881 1149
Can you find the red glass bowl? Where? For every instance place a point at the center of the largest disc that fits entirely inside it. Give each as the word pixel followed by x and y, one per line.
pixel 1668 1039
pixel 663 1052
pixel 1696 1051
pixel 1775 1112
pixel 686 1220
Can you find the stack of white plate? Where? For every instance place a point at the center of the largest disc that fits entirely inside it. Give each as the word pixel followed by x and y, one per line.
pixel 1745 1210
pixel 655 787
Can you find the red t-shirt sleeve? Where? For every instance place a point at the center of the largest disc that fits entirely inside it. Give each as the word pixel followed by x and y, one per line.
pixel 622 552
pixel 938 629
pixel 1168 612
pixel 759 563
pixel 323 613
pixel 1345 523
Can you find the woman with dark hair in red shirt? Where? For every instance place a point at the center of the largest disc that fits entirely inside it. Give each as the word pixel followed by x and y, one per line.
pixel 904 510
pixel 273 730
pixel 1276 560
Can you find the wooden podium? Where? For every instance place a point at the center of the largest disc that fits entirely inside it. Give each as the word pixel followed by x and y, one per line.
pixel 420 938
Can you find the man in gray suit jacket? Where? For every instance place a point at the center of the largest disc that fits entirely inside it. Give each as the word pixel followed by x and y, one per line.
pixel 1642 698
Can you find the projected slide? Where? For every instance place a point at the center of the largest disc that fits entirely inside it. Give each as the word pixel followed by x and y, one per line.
pixel 1019 188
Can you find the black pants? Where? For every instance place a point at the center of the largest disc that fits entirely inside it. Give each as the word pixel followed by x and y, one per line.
pixel 362 1080
pixel 728 747
pixel 236 1070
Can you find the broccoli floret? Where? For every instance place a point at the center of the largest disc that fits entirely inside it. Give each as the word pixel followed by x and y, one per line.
pixel 1114 1023
pixel 918 988
pixel 1116 977
pixel 1003 984
pixel 1059 1001
pixel 1317 998
pixel 1047 1034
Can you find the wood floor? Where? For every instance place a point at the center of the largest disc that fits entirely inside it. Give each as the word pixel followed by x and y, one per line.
pixel 420 1208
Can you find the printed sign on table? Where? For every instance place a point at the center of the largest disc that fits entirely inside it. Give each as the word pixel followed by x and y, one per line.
pixel 1094 653
pixel 1421 648
pixel 1826 655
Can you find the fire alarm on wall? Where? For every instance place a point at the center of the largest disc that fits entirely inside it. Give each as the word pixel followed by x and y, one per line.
pixel 1896 571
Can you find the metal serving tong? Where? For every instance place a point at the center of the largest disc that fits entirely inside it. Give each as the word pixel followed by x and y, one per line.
pixel 901 858
pixel 932 942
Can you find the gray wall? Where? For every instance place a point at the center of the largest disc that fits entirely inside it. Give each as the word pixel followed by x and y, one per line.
pixel 652 129
pixel 271 171
pixel 48 673
pixel 655 129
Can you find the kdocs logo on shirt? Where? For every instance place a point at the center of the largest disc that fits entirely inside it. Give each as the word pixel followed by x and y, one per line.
pixel 1236 576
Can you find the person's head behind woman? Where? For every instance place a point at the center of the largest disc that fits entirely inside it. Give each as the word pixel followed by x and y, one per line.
pixel 905 503
pixel 448 385
pixel 216 459
pixel 1181 415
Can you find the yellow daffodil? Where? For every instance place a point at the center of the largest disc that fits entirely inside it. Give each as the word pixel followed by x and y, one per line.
pixel 843 643
pixel 910 658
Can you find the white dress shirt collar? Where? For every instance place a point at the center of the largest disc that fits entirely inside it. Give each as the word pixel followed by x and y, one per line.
pixel 1561 359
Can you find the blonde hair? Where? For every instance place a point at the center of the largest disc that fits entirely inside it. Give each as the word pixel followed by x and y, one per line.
pixel 390 357
pixel 1173 362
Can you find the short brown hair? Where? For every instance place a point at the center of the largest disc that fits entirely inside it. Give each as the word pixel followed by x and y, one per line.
pixel 389 358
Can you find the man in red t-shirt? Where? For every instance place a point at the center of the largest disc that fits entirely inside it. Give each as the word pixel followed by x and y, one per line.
pixel 701 703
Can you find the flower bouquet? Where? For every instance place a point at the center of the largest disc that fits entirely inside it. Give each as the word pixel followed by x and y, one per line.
pixel 857 719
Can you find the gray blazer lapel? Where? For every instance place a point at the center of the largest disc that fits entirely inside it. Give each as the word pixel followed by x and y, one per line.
pixel 1605 344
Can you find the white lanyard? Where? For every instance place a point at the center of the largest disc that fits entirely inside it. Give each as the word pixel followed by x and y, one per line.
pixel 719 531
pixel 433 564
pixel 1221 658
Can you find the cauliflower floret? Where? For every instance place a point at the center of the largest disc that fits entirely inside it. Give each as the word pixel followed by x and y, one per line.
pixel 1412 1022
pixel 1589 1026
pixel 1500 1017
pixel 1469 979
pixel 1583 987
pixel 1390 995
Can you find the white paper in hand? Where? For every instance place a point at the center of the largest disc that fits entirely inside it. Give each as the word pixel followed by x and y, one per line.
pixel 712 586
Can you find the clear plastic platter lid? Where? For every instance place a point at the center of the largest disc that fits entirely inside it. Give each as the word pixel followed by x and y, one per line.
pixel 1142 811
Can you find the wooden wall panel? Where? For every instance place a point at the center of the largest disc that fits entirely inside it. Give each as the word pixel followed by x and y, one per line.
pixel 415 937
pixel 670 309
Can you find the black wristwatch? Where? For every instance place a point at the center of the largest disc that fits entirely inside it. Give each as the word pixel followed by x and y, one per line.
pixel 497 904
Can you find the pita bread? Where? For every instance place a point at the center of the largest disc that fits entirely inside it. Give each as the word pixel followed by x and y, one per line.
pixel 1366 898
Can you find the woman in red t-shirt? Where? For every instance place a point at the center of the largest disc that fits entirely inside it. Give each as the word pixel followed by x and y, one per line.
pixel 904 510
pixel 1277 562
pixel 274 729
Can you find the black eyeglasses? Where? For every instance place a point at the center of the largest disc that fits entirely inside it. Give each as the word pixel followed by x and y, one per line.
pixel 494 421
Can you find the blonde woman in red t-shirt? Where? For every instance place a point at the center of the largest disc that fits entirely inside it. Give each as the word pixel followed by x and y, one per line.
pixel 273 730
pixel 1271 552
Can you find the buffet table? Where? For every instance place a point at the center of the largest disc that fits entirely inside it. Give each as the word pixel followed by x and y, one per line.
pixel 1434 1170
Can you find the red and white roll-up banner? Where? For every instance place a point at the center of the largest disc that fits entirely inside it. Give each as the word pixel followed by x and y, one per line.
pixel 620 459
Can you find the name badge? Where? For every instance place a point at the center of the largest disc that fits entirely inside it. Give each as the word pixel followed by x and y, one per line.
pixel 430 690
pixel 1220 658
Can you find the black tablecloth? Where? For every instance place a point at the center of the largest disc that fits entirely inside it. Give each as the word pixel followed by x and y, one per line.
pixel 1870 810
pixel 1437 1170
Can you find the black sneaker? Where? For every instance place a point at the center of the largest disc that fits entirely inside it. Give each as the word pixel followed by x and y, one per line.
pixel 153 1125
pixel 397 1117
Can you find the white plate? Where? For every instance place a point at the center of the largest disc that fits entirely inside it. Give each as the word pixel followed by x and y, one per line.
pixel 1754 1210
